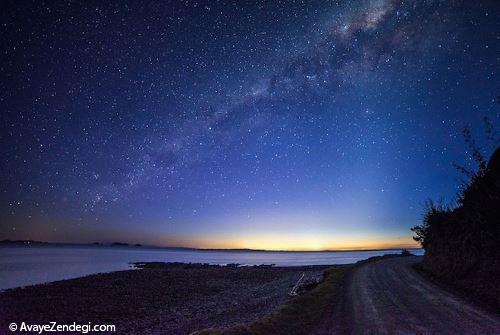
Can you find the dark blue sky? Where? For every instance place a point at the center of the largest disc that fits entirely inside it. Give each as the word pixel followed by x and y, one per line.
pixel 261 124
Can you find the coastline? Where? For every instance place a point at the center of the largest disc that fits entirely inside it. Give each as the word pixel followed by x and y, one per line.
pixel 172 297
pixel 203 299
pixel 24 266
pixel 138 246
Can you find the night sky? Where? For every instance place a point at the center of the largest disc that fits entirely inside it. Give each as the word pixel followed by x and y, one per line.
pixel 232 124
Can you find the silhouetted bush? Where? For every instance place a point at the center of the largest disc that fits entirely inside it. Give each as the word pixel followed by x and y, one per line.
pixel 405 252
pixel 462 242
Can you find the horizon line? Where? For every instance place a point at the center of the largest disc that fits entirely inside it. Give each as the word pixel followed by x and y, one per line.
pixel 140 245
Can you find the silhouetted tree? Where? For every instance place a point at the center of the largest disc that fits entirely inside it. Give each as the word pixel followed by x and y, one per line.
pixel 461 240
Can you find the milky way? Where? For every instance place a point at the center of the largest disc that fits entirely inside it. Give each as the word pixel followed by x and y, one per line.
pixel 189 123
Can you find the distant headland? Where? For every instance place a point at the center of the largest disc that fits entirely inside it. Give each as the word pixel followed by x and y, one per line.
pixel 8 242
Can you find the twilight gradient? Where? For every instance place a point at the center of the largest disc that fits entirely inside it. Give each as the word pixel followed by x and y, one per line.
pixel 300 125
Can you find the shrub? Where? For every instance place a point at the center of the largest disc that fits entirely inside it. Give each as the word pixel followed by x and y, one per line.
pixel 405 253
pixel 461 240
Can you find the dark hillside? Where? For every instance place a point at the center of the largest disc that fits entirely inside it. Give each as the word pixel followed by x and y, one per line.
pixel 462 244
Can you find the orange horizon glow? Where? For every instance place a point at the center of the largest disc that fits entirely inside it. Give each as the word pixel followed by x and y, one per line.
pixel 307 243
pixel 294 239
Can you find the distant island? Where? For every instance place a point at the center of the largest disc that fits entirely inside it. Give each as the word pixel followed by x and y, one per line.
pixel 123 244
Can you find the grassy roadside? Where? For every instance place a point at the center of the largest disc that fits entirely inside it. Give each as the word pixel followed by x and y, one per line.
pixel 458 291
pixel 299 316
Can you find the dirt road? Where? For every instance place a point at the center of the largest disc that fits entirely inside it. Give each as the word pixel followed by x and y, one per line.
pixel 390 297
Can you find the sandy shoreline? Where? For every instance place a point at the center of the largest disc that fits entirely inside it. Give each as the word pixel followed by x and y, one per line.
pixel 169 298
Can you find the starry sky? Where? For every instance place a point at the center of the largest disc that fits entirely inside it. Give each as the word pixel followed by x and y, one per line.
pixel 303 125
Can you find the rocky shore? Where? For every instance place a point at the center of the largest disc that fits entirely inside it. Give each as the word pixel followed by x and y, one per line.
pixel 166 298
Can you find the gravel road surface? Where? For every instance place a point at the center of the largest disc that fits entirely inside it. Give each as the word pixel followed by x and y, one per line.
pixel 389 297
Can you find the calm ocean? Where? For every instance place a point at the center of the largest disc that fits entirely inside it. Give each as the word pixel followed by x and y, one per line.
pixel 22 266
